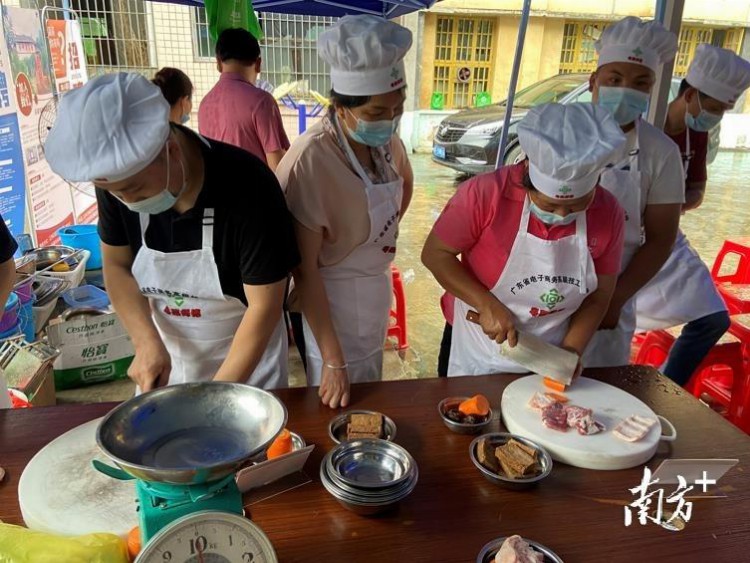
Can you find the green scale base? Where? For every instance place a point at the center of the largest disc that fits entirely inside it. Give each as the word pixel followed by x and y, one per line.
pixel 160 504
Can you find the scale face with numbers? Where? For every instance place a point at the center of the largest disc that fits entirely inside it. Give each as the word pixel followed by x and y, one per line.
pixel 209 537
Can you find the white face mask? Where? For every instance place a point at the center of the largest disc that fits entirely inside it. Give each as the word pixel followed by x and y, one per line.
pixel 162 201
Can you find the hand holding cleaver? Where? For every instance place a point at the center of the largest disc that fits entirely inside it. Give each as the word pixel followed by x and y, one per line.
pixel 538 356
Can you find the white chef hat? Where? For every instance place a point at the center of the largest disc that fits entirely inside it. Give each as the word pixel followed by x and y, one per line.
pixel 632 40
pixel 366 54
pixel 108 130
pixel 568 147
pixel 719 73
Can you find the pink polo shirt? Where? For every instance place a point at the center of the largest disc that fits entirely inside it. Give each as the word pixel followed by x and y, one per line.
pixel 482 221
pixel 238 113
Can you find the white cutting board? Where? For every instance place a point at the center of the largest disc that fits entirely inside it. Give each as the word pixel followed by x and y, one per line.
pixel 598 451
pixel 61 493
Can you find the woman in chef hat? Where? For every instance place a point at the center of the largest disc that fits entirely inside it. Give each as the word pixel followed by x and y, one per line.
pixel 348 183
pixel 540 243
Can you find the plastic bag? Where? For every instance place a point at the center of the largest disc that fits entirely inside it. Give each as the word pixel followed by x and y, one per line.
pixel 228 14
pixel 21 545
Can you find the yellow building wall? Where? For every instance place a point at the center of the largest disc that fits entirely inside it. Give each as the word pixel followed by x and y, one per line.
pixel 708 11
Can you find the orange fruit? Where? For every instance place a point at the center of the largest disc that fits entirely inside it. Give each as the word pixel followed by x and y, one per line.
pixel 281 445
pixel 134 542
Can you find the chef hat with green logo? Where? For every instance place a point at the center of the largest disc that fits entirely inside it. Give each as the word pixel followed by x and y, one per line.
pixel 568 147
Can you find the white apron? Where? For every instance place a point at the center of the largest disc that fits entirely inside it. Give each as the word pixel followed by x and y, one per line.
pixel 543 283
pixel 359 288
pixel 683 290
pixel 612 347
pixel 196 321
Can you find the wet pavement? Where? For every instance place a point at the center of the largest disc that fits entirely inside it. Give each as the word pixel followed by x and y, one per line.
pixel 724 213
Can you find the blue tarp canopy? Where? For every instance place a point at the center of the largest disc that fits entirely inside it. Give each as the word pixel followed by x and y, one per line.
pixel 332 8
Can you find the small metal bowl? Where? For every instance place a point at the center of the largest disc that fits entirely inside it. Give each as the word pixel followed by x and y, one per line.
pixel 370 464
pixel 337 426
pixel 48 255
pixel 500 438
pixel 460 427
pixel 489 551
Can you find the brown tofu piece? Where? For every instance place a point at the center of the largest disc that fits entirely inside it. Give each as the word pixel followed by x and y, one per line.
pixel 366 423
pixel 351 435
pixel 486 455
pixel 515 459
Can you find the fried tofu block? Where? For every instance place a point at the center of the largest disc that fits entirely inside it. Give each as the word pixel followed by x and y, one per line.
pixel 486 455
pixel 366 423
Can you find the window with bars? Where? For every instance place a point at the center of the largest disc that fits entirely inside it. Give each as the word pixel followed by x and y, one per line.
pixel 288 49
pixel 463 59
pixel 115 33
pixel 579 55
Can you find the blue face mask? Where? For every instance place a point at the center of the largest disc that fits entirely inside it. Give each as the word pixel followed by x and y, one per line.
pixel 162 201
pixel 552 219
pixel 625 104
pixel 705 120
pixel 184 118
pixel 374 133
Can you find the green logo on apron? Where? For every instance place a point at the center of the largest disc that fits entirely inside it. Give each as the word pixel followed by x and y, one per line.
pixel 179 301
pixel 552 298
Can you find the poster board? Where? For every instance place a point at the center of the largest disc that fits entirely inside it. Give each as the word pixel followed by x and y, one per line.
pixel 26 54
pixel 69 67
pixel 12 176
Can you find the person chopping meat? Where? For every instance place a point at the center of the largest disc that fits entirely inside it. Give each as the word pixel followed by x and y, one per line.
pixel 348 183
pixel 540 242
pixel 648 183
pixel 195 264
pixel 683 291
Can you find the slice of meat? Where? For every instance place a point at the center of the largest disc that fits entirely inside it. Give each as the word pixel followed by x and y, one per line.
pixel 486 455
pixel 539 401
pixel 575 414
pixel 554 416
pixel 516 550
pixel 634 428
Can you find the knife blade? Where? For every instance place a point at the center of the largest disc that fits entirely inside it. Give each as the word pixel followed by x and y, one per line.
pixel 538 356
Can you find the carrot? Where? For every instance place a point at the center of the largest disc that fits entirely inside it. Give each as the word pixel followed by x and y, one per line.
pixel 134 543
pixel 555 385
pixel 281 445
pixel 557 397
pixel 478 405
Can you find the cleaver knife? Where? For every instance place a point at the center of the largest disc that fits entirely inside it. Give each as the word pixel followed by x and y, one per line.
pixel 538 356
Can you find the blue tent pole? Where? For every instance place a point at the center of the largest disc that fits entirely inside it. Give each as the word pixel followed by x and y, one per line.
pixel 513 81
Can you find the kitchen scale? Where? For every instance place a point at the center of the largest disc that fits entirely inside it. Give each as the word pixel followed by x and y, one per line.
pixel 182 446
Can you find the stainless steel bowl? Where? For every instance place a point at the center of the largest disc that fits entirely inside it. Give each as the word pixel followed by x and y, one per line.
pixel 337 426
pixel 48 255
pixel 191 433
pixel 460 427
pixel 500 438
pixel 365 506
pixel 488 552
pixel 370 464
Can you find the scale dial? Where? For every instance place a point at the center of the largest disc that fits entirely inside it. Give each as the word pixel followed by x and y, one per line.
pixel 209 537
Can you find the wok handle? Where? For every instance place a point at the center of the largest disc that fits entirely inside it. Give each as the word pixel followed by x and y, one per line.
pixel 472 317
pixel 110 471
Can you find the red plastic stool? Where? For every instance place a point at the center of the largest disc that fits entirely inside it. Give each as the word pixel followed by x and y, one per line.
pixel 740 405
pixel 739 247
pixel 736 296
pixel 707 378
pixel 397 325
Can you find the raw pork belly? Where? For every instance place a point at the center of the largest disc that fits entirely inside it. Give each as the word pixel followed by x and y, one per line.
pixel 583 420
pixel 555 416
pixel 516 550
pixel 634 428
pixel 539 401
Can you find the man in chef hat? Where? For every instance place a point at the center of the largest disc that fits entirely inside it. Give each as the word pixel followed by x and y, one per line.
pixel 186 244
pixel 648 183
pixel 715 81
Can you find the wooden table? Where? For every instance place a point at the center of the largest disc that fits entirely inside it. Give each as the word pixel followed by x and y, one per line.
pixel 454 511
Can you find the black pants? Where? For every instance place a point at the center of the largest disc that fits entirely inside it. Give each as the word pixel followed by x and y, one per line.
pixel 295 319
pixel 445 351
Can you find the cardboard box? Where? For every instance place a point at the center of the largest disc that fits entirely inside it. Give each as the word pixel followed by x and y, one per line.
pixel 93 349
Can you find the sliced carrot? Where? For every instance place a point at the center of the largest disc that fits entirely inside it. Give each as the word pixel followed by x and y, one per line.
pixel 555 385
pixel 478 405
pixel 281 445
pixel 134 543
pixel 557 397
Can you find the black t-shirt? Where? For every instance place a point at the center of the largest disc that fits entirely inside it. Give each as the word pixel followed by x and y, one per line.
pixel 254 240
pixel 8 244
